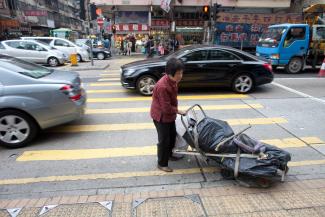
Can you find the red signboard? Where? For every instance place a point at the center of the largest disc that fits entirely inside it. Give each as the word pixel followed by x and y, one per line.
pixel 100 21
pixel 37 13
pixel 189 23
pixel 160 22
pixel 132 27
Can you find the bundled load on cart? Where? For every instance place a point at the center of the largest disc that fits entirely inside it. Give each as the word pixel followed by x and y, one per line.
pixel 237 155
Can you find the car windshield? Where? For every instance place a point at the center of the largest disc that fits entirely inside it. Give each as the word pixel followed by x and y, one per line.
pixel 25 68
pixel 177 53
pixel 272 37
pixel 46 45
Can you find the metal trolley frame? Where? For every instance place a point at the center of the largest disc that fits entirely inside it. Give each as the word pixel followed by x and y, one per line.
pixel 188 122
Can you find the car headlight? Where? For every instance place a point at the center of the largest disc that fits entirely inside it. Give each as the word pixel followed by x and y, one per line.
pixel 128 72
pixel 275 56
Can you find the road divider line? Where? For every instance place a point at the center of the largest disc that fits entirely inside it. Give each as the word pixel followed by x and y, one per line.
pixel 82 154
pixel 147 109
pixel 106 176
pixel 104 84
pixel 123 175
pixel 182 97
pixel 150 126
pixel 108 79
pixel 111 75
pixel 298 92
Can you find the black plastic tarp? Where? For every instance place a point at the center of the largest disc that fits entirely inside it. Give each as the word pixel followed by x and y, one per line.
pixel 211 132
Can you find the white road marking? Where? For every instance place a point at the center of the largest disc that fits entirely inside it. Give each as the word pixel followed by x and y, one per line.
pixel 298 92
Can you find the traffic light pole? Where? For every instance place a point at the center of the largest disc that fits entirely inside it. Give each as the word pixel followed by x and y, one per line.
pixel 91 42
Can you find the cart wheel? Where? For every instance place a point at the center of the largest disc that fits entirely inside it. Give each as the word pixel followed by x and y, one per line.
pixel 227 174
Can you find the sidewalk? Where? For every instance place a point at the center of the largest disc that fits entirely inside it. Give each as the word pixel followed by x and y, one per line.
pixel 83 66
pixel 294 198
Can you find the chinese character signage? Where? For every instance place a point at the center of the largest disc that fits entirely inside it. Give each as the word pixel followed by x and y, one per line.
pixel 260 18
pixel 245 29
pixel 37 13
pixel 131 27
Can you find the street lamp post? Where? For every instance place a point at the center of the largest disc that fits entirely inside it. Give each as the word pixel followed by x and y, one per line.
pixel 88 32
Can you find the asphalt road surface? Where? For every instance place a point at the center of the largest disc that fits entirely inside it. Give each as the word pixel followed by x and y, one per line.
pixel 112 149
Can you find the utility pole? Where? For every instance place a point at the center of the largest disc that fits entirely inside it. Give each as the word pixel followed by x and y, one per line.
pixel 88 32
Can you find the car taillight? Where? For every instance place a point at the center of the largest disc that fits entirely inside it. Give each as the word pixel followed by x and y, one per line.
pixel 268 67
pixel 68 90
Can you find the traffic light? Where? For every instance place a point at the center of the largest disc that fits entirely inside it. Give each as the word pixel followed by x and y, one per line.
pixel 93 14
pixel 206 12
pixel 113 29
pixel 216 10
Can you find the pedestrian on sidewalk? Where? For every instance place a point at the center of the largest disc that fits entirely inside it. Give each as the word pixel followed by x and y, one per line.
pixel 164 109
pixel 129 47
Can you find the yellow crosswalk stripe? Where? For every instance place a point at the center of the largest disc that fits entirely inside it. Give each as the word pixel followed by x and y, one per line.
pixel 108 79
pixel 182 97
pixel 106 176
pixel 108 91
pixel 306 163
pixel 104 84
pixel 148 126
pixel 81 154
pixel 111 75
pixel 147 109
pixel 123 175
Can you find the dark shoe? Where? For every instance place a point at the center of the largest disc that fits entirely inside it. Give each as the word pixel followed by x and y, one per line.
pixel 173 158
pixel 165 169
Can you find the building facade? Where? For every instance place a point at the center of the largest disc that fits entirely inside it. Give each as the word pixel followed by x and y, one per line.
pixel 38 17
pixel 185 19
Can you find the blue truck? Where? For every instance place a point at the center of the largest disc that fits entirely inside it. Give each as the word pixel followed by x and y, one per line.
pixel 293 46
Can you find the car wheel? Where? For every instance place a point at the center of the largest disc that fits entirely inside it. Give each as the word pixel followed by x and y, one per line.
pixel 79 58
pixel 16 129
pixel 295 65
pixel 100 56
pixel 243 83
pixel 145 85
pixel 53 61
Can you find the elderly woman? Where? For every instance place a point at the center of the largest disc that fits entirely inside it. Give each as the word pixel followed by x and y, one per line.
pixel 164 109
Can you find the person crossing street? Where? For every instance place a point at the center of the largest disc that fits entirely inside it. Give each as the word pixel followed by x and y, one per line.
pixel 164 109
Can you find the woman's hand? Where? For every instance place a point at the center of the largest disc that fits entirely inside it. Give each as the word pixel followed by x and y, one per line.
pixel 180 112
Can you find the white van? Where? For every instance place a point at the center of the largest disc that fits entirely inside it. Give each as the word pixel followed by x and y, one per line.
pixel 63 45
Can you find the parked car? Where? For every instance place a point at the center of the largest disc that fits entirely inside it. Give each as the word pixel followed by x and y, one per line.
pixel 33 51
pixel 99 53
pixel 34 98
pixel 205 66
pixel 64 45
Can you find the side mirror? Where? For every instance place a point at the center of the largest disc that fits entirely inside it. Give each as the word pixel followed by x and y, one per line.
pixel 184 59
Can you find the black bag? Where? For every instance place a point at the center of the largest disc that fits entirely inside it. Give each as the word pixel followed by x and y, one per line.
pixel 211 132
pixel 264 167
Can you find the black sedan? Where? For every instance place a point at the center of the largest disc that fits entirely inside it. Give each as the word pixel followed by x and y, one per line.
pixel 101 53
pixel 205 66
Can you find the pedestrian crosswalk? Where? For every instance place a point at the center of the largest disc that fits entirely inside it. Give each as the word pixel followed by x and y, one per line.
pixel 147 109
pixel 150 126
pixel 80 154
pixel 107 99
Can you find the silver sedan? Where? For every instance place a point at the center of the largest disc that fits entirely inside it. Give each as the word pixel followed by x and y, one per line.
pixel 33 98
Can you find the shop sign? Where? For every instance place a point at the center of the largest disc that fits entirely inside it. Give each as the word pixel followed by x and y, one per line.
pixel 260 18
pixel 159 22
pixel 131 27
pixel 189 23
pixel 36 13
pixel 9 23
pixel 235 34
